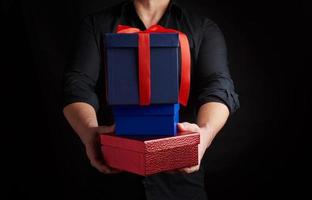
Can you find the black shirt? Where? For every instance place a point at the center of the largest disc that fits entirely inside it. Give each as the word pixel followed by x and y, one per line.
pixel 210 78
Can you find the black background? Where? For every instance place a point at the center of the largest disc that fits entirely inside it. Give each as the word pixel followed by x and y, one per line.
pixel 259 154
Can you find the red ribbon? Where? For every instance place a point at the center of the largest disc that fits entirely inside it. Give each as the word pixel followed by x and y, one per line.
pixel 144 61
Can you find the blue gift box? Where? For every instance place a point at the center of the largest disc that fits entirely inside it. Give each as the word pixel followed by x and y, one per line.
pixel 154 120
pixel 162 116
pixel 122 68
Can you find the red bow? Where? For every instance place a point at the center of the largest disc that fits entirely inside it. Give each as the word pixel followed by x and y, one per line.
pixel 144 61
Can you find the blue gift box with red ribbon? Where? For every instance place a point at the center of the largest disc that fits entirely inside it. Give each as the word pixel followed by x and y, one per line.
pixel 122 69
pixel 142 82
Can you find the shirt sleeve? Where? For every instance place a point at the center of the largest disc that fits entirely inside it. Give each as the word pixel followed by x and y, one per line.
pixel 213 80
pixel 82 73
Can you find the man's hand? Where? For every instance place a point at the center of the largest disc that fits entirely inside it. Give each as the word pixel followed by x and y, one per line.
pixel 82 118
pixel 93 148
pixel 205 141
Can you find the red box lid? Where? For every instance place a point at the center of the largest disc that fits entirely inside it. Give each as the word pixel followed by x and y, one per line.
pixel 149 144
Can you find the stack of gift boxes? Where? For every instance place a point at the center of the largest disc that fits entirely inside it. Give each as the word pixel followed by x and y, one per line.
pixel 143 86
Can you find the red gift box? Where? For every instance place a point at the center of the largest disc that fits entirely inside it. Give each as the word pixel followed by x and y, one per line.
pixel 146 156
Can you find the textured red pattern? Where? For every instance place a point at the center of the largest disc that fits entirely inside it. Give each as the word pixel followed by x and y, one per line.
pixel 149 156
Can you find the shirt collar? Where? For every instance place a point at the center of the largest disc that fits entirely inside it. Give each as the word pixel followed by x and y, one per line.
pixel 130 17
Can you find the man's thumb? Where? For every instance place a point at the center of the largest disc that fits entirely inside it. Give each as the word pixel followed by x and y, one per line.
pixel 106 129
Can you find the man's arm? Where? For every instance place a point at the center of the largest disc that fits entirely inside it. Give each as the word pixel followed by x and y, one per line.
pixel 82 118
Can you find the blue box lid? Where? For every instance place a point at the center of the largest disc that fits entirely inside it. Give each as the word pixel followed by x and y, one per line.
pixel 114 40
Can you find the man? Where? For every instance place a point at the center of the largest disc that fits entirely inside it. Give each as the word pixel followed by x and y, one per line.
pixel 212 97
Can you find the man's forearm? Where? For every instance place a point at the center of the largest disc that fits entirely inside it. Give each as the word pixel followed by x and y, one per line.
pixel 81 116
pixel 211 118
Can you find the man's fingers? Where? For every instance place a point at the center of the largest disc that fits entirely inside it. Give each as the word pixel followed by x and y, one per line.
pixel 100 166
pixel 189 170
pixel 181 127
pixel 96 159
pixel 187 127
pixel 106 129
